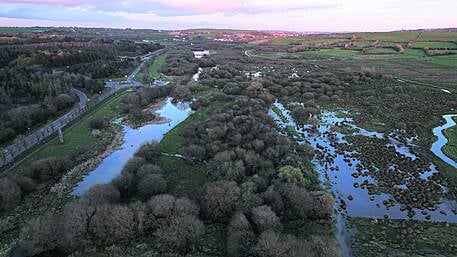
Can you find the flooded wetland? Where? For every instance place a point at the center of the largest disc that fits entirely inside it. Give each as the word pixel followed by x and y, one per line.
pixel 372 175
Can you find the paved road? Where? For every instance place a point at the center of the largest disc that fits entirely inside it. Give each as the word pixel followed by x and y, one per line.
pixel 144 59
pixel 82 97
pixel 21 145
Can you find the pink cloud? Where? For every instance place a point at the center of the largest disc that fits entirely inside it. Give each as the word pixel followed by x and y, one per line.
pixel 56 2
pixel 201 5
pixel 247 6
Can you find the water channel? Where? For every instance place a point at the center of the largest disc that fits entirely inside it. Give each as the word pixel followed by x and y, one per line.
pixel 437 147
pixel 112 165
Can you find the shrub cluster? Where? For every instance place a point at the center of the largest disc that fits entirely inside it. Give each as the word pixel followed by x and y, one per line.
pixel 98 219
pixel 179 63
pixel 38 174
pixel 135 102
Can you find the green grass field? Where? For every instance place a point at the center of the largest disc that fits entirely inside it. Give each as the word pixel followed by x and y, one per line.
pixel 336 52
pixel 388 44
pixel 77 137
pixel 419 54
pixel 381 51
pixel 389 36
pixel 185 179
pixel 438 36
pixel 447 60
pixel 287 41
pixel 438 45
pixel 363 43
pixel 325 41
pixel 279 113
pixel 450 149
pixel 154 68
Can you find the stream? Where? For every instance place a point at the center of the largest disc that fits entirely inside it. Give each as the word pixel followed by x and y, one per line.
pixel 112 165
pixel 442 140
pixel 338 177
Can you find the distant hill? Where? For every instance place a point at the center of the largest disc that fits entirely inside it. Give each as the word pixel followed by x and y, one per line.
pixel 430 30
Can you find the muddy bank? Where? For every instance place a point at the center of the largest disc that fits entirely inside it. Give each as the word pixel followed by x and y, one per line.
pixel 68 181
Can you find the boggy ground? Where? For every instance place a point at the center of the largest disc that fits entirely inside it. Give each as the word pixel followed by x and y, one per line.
pixel 402 238
pixel 381 103
pixel 391 171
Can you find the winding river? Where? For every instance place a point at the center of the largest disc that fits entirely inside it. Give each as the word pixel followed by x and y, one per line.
pixel 437 147
pixel 112 165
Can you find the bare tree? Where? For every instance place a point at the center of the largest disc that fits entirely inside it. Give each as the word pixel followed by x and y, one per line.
pixel 264 218
pixel 181 234
pixel 240 236
pixel 150 151
pixel 41 235
pixel 10 194
pixel 323 205
pixel 112 224
pixel 101 194
pixel 151 184
pixel 220 200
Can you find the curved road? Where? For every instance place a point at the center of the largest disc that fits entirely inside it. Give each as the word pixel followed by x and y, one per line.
pixel 82 97
pixel 10 152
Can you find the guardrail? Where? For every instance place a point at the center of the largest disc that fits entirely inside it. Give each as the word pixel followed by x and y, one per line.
pixel 20 145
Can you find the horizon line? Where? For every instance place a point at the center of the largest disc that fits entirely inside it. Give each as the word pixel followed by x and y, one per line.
pixel 234 29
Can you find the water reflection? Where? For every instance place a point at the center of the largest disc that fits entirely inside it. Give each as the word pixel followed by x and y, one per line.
pixel 112 165
pixel 339 172
pixel 442 140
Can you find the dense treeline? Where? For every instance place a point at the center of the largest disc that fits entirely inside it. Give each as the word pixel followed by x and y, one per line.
pixel 298 84
pixel 179 63
pixel 102 69
pixel 29 97
pixel 36 77
pixel 258 184
pixel 52 53
pixel 253 213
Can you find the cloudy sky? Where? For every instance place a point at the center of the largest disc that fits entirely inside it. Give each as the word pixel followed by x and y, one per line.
pixel 294 15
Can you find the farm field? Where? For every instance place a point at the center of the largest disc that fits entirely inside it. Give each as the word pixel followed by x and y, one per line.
pixel 439 45
pixel 337 52
pixel 439 70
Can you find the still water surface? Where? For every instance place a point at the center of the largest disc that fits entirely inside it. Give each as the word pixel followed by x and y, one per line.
pixel 112 165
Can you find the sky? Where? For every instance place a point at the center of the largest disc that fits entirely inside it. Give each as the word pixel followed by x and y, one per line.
pixel 291 15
